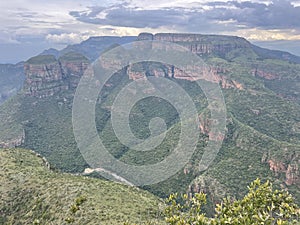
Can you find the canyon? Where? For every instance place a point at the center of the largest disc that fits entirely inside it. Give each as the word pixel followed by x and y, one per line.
pixel 259 118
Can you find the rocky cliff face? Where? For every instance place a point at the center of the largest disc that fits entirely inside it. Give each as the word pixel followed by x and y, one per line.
pixel 45 75
pixel 211 74
pixel 265 75
pixel 200 44
pixel 291 171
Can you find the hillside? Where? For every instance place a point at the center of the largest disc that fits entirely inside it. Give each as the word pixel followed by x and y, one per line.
pixel 261 91
pixel 11 80
pixel 32 194
pixel 92 47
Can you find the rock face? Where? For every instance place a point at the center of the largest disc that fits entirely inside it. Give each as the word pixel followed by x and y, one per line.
pixel 211 74
pixel 291 171
pixel 200 44
pixel 292 174
pixel 45 75
pixel 14 142
pixel 208 185
pixel 265 75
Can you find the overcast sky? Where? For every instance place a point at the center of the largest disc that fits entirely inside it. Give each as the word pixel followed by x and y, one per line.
pixel 27 27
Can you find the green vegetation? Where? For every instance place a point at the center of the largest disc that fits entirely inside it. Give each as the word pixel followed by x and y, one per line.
pixel 263 126
pixel 11 80
pixel 261 205
pixel 33 194
pixel 10 128
pixel 42 59
pixel 74 57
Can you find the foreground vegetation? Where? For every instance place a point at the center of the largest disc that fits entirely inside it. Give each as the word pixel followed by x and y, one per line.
pixel 30 193
pixel 261 205
pixel 34 194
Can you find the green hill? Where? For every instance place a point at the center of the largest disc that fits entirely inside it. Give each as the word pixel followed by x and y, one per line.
pixel 30 193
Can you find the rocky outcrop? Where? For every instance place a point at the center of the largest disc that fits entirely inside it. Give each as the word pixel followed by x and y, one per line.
pixel 204 123
pixel 14 142
pixel 265 75
pixel 210 74
pixel 43 80
pixel 206 184
pixel 291 171
pixel 73 66
pixel 46 76
pixel 277 167
pixel 200 44
pixel 292 174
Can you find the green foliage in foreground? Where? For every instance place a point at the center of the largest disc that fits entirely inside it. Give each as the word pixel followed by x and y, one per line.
pixel 262 205
pixel 32 194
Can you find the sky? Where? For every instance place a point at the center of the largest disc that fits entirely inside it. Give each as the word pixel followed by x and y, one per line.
pixel 27 27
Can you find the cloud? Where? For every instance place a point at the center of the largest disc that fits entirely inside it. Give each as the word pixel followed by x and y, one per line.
pixel 122 16
pixel 266 35
pixel 278 14
pixel 52 24
pixel 66 38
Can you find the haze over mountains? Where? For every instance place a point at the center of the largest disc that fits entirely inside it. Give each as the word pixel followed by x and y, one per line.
pixel 261 91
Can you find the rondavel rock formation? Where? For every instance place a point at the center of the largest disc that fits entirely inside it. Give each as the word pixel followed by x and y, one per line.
pixel 198 44
pixel 45 75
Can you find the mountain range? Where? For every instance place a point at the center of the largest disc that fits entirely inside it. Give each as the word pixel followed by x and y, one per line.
pixel 260 88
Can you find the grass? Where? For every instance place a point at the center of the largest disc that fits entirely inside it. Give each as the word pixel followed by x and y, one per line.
pixel 33 194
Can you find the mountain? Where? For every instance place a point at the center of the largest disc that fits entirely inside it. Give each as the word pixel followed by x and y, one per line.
pixel 261 91
pixel 34 194
pixel 92 47
pixel 12 75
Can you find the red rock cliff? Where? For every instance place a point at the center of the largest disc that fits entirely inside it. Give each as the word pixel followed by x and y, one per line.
pixel 45 75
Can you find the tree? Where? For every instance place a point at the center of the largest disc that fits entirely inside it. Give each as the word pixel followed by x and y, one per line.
pixel 262 205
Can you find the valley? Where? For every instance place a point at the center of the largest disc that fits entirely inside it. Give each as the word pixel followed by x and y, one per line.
pixel 262 139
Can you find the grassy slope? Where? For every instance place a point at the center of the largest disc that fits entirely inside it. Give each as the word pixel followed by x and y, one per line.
pixel 32 194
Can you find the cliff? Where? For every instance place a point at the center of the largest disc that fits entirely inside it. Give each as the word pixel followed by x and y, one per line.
pixel 45 75
pixel 213 74
pixel 201 44
pixel 290 171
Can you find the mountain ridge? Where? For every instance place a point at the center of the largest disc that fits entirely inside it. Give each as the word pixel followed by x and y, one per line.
pixel 262 132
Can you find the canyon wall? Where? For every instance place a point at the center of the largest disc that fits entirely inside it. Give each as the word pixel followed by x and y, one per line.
pixel 200 44
pixel 46 75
